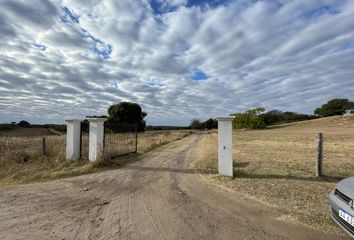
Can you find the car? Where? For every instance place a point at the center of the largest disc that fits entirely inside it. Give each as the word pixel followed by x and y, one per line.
pixel 342 205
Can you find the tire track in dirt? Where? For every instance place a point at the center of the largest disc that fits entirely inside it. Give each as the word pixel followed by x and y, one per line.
pixel 155 198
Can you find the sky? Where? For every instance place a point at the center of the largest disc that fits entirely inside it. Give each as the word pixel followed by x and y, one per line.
pixel 178 59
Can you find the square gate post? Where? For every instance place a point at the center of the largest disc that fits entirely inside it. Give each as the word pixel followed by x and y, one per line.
pixel 96 138
pixel 225 166
pixel 73 139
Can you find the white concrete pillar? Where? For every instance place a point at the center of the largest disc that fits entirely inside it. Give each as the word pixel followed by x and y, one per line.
pixel 73 128
pixel 225 166
pixel 96 138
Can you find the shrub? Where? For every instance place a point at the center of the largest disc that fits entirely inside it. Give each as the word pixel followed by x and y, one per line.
pixel 277 116
pixel 23 123
pixel 248 120
pixel 334 107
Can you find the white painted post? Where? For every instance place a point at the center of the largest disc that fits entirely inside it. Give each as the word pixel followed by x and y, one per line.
pixel 225 166
pixel 73 139
pixel 96 138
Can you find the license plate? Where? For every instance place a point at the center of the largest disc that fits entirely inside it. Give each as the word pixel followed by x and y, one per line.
pixel 346 217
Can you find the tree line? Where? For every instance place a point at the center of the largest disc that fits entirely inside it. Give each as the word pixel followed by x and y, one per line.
pixel 208 124
pixel 256 118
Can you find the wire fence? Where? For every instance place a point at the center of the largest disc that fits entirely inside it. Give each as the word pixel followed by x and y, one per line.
pixel 338 154
pixel 277 153
pixel 51 149
pixel 84 140
pixel 120 139
pixel 24 149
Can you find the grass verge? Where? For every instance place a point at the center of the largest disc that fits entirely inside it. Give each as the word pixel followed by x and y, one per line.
pixel 21 161
pixel 277 167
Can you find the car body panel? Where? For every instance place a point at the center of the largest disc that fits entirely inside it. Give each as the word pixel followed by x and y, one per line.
pixel 346 187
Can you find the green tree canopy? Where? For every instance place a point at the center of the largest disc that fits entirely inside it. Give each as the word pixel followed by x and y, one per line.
pixel 277 116
pixel 127 112
pixel 196 124
pixel 250 119
pixel 255 111
pixel 210 123
pixel 334 107
pixel 23 123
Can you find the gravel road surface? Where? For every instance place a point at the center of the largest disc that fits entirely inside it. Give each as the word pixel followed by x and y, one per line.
pixel 159 197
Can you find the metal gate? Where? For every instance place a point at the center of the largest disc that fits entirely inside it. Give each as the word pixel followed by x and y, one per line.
pixel 120 139
pixel 84 140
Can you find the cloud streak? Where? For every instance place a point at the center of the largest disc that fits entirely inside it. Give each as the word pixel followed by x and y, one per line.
pixel 179 59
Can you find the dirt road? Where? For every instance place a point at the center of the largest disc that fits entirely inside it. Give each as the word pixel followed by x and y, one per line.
pixel 159 197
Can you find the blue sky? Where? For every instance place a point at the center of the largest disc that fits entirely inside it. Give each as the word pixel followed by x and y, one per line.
pixel 178 59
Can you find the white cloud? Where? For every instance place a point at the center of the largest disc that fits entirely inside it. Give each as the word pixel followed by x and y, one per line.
pixel 166 5
pixel 277 54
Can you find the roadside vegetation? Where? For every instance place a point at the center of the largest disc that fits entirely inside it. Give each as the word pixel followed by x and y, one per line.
pixel 21 160
pixel 277 167
pixel 257 118
pixel 22 157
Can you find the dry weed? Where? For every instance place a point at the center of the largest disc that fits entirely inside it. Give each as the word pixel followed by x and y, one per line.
pixel 21 160
pixel 277 166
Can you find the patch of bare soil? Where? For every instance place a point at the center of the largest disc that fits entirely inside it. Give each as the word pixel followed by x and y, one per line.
pixel 159 197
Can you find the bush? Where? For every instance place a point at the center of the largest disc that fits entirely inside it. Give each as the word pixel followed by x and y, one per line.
pixel 208 124
pixel 196 124
pixel 248 120
pixel 277 116
pixel 334 107
pixel 23 123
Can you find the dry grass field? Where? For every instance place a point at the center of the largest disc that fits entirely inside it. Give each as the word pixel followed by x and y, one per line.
pixel 27 132
pixel 21 160
pixel 277 166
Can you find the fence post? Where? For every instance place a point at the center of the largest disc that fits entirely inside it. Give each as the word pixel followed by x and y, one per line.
pixel 96 136
pixel 44 152
pixel 136 138
pixel 73 139
pixel 225 165
pixel 319 162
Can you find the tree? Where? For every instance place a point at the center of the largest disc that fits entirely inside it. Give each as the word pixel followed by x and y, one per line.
pixel 272 117
pixel 196 124
pixel 127 112
pixel 255 111
pixel 334 107
pixel 96 116
pixel 210 123
pixel 23 123
pixel 277 116
pixel 250 119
